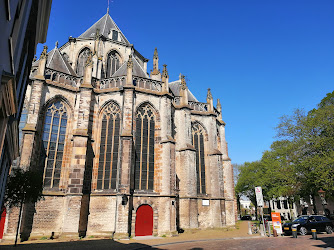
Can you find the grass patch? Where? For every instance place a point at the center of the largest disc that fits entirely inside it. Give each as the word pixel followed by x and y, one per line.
pixel 164 235
pixel 44 238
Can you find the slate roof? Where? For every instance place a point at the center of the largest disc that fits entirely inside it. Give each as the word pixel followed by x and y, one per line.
pixel 137 69
pixel 175 88
pixel 56 61
pixel 105 24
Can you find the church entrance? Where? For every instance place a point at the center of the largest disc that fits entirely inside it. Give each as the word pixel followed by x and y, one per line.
pixel 144 221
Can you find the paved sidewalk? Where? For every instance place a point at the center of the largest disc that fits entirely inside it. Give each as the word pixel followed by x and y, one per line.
pixel 239 232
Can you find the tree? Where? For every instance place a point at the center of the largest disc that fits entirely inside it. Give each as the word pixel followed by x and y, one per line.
pixel 301 162
pixel 23 186
pixel 312 137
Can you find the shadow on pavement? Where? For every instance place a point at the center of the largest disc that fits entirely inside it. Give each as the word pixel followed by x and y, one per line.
pixel 84 244
pixel 328 242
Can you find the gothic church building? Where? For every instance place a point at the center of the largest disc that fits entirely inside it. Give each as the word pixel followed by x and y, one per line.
pixel 121 152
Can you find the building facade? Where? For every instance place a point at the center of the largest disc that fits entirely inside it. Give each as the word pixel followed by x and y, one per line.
pixel 121 152
pixel 23 25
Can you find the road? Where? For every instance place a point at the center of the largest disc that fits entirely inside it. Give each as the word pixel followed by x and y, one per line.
pixel 302 242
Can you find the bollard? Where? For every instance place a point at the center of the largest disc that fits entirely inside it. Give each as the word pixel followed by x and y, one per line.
pixel 314 234
pixel 262 230
pixel 269 229
pixel 294 232
pixel 274 232
pixel 249 228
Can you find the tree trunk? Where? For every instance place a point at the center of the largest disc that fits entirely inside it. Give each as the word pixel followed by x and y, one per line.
pixel 18 222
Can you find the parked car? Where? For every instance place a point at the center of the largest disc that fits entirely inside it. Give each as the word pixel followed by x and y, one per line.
pixel 305 223
pixel 246 217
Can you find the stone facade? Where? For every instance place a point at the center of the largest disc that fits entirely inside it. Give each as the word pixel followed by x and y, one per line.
pixel 23 25
pixel 131 139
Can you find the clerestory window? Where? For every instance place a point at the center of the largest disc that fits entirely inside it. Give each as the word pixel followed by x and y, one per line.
pixel 144 147
pixel 82 58
pixel 113 63
pixel 198 143
pixel 109 147
pixel 54 132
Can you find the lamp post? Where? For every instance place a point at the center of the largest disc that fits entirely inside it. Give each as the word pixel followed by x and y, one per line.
pixel 322 197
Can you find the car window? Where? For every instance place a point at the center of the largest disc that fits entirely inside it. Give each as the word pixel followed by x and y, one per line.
pixel 318 218
pixel 325 219
pixel 301 219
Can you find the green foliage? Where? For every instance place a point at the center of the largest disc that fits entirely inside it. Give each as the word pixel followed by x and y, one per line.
pixel 300 162
pixel 23 187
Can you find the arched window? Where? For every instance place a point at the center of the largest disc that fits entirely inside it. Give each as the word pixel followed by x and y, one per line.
pixel 82 60
pixel 144 146
pixel 109 147
pixel 198 143
pixel 54 132
pixel 112 63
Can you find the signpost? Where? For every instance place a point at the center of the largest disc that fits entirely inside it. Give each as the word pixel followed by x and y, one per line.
pixel 276 219
pixel 259 201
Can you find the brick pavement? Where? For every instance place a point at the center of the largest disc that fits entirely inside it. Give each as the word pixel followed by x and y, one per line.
pixel 193 239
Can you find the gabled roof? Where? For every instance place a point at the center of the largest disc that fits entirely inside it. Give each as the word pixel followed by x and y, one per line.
pixel 175 88
pixel 105 24
pixel 56 61
pixel 137 69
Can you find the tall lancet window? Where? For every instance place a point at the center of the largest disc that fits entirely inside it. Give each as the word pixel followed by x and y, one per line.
pixel 112 63
pixel 54 132
pixel 144 146
pixel 198 143
pixel 109 146
pixel 82 58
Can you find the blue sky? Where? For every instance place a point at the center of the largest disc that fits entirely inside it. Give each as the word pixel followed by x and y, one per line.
pixel 262 58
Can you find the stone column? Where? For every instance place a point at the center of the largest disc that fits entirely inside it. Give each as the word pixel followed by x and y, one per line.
pixel 79 158
pixel 167 219
pixel 185 166
pixel 29 131
pixel 123 212
pixel 228 179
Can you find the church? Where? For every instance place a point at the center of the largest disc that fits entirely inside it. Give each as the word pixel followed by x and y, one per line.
pixel 122 152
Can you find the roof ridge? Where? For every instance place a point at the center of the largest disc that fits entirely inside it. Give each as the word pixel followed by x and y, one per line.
pixel 119 68
pixel 53 50
pixel 104 27
pixel 140 66
pixel 69 72
pixel 91 26
pixel 118 28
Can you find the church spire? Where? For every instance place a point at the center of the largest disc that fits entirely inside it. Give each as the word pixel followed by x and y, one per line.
pixel 165 78
pixel 184 91
pixel 219 109
pixel 209 100
pixel 155 61
pixel 155 74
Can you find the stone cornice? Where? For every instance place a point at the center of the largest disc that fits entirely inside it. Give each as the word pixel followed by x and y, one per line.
pixel 29 128
pixel 205 113
pixel 80 132
pixel 169 139
pixel 63 86
pixel 182 107
pixel 221 122
pixel 215 152
pixel 188 147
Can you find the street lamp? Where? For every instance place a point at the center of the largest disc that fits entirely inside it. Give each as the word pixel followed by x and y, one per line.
pixel 322 197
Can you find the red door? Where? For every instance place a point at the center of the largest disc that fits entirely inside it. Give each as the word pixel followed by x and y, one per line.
pixel 144 220
pixel 2 222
